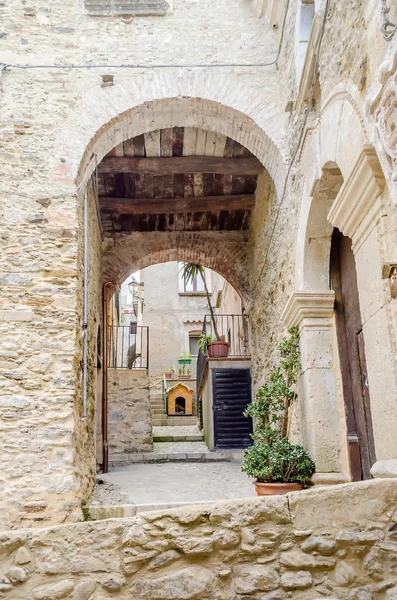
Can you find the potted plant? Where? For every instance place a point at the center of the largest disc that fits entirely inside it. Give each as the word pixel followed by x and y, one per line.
pixel 167 374
pixel 216 347
pixel 183 373
pixel 185 359
pixel 277 465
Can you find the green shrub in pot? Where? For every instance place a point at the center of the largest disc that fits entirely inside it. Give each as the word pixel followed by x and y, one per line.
pixel 273 459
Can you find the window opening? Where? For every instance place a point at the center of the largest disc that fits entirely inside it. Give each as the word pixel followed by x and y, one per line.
pixel 197 285
pixel 305 20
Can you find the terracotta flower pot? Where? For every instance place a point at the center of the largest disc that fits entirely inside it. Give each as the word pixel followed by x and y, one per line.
pixel 218 349
pixel 274 489
pixel 184 376
pixel 167 375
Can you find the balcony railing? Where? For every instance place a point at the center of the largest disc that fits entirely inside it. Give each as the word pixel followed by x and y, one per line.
pixel 232 329
pixel 128 347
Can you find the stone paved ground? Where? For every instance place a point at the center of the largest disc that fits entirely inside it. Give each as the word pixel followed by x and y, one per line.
pixel 168 483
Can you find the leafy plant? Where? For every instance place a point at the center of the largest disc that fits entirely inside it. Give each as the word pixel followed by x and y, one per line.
pixel 203 342
pixel 271 405
pixel 273 458
pixel 190 272
pixel 279 462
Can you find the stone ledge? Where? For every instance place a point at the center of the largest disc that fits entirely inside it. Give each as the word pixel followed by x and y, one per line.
pixel 143 8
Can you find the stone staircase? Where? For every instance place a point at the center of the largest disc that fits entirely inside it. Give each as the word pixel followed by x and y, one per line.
pixel 175 439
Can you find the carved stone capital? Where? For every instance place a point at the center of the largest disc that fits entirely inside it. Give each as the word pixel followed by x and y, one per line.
pixel 314 306
pixel 358 194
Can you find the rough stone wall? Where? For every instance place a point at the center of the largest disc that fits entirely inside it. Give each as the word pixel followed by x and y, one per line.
pixel 331 543
pixel 86 437
pixel 47 458
pixel 130 428
pixel 271 259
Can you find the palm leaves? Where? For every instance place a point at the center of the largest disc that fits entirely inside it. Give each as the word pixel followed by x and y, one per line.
pixel 190 272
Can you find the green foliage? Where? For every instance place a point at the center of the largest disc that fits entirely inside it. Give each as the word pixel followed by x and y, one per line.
pixel 203 342
pixel 190 271
pixel 273 399
pixel 273 459
pixel 280 462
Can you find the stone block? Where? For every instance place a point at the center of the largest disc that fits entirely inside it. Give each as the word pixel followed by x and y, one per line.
pixel 252 578
pixel 54 591
pixel 296 580
pixel 191 583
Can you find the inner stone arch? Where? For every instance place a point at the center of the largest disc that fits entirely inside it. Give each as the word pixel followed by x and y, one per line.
pixel 314 246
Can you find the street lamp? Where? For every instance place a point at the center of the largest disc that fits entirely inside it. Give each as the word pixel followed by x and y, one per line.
pixel 133 286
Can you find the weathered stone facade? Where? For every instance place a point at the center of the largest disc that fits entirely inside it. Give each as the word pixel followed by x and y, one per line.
pixel 58 121
pixel 130 428
pixel 305 545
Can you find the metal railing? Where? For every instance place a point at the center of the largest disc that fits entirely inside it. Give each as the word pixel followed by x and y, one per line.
pixel 232 329
pixel 128 347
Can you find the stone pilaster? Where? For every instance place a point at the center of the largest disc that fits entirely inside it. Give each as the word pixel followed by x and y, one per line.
pixel 313 313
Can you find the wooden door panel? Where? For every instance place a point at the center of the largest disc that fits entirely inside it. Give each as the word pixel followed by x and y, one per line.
pixel 231 396
pixel 352 357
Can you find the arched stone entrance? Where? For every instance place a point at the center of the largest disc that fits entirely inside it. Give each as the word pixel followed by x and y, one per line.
pixel 350 195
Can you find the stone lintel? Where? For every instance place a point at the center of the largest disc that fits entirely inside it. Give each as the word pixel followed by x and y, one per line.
pixel 358 194
pixel 312 306
pixel 99 8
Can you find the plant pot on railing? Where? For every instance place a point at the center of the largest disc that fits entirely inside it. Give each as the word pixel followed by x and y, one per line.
pixel 218 349
pixel 167 374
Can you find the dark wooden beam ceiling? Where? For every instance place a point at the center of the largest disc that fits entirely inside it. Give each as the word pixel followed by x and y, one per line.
pixel 177 179
pixel 149 206
pixel 181 164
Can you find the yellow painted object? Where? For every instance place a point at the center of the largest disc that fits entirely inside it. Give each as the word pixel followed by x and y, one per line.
pixel 180 400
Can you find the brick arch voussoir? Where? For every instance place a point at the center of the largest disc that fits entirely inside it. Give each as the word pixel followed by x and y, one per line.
pixel 219 105
pixel 229 259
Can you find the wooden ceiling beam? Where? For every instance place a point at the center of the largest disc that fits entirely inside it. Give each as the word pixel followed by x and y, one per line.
pixel 148 206
pixel 181 164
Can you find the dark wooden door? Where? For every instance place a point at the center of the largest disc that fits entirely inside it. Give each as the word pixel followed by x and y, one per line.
pixel 352 357
pixel 231 396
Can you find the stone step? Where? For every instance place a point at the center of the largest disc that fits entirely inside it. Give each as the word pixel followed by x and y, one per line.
pixel 163 421
pixel 157 411
pixel 161 457
pixel 178 438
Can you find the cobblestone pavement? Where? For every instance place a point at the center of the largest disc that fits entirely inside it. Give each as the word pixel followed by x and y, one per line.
pixel 169 483
pixel 180 447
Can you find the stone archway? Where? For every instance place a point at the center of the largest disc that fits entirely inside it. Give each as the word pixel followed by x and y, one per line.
pixel 215 103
